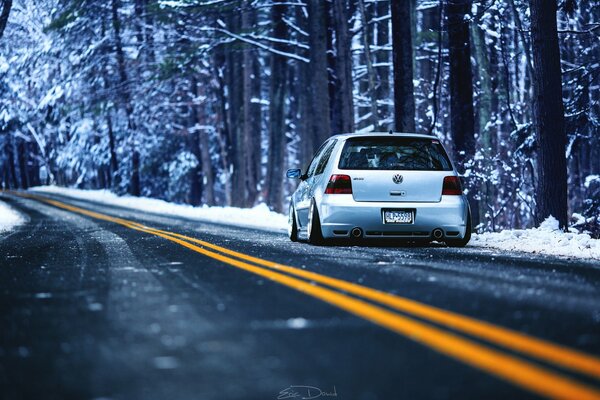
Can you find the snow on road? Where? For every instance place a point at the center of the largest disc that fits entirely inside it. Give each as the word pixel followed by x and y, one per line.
pixel 9 218
pixel 258 217
pixel 547 239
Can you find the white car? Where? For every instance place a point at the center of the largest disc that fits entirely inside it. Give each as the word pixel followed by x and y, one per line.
pixel 380 185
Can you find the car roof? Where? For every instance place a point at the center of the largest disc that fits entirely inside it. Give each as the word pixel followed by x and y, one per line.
pixel 386 134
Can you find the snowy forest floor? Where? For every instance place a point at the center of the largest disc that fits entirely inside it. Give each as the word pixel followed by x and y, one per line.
pixel 548 239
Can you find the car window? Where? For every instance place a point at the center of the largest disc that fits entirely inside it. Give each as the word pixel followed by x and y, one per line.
pixel 325 158
pixel 313 163
pixel 394 153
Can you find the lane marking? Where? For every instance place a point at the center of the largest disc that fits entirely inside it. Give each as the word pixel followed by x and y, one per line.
pixel 520 372
pixel 517 341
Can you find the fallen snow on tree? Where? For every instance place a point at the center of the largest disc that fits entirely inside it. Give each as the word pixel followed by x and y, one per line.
pixel 259 216
pixel 9 218
pixel 547 239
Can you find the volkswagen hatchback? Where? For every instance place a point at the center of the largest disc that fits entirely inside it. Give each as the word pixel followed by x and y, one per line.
pixel 380 185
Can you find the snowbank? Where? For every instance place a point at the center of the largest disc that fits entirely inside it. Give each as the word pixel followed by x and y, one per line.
pixel 9 218
pixel 258 217
pixel 547 239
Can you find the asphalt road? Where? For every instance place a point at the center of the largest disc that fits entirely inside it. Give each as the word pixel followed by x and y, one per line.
pixel 97 307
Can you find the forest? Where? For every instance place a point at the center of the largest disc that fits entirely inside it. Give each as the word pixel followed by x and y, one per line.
pixel 208 102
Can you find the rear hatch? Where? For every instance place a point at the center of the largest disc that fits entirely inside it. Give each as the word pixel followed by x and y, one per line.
pixel 395 169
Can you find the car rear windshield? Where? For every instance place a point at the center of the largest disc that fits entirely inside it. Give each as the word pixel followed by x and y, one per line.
pixel 394 153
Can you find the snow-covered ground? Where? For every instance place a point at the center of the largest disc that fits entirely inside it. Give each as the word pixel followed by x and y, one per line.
pixel 258 217
pixel 9 218
pixel 547 239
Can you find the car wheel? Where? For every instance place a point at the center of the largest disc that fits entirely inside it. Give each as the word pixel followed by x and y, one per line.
pixel 462 242
pixel 315 235
pixel 292 226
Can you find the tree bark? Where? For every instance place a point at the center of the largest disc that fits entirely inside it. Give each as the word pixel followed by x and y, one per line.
pixel 208 179
pixel 462 121
pixel 462 117
pixel 302 88
pixel 196 178
pixel 6 6
pixel 404 99
pixel 134 184
pixel 548 116
pixel 251 134
pixel 114 163
pixel 343 116
pixel 11 162
pixel 235 72
pixel 319 91
pixel 113 179
pixel 382 57
pixel 369 62
pixel 277 128
pixel 219 72
pixel 22 159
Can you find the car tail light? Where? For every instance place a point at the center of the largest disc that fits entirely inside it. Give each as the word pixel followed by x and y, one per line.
pixel 339 184
pixel 451 186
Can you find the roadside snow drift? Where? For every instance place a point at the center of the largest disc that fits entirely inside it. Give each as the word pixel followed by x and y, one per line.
pixel 9 218
pixel 547 239
pixel 258 217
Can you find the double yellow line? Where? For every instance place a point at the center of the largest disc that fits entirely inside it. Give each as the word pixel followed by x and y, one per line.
pixel 392 312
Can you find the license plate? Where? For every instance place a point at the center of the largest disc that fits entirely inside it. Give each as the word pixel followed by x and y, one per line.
pixel 397 217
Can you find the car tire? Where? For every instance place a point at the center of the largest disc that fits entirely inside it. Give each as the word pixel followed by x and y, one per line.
pixel 315 235
pixel 462 242
pixel 292 225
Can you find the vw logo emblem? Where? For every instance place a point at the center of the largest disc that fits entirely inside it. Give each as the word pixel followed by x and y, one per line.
pixel 398 178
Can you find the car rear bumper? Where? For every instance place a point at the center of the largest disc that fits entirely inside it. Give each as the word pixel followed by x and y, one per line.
pixel 340 214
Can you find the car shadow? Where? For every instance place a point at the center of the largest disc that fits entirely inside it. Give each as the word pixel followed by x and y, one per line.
pixel 384 243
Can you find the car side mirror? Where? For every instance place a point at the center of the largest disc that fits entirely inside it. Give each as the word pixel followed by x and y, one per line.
pixel 294 173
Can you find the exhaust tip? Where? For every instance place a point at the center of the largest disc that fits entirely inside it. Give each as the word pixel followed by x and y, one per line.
pixel 356 232
pixel 438 233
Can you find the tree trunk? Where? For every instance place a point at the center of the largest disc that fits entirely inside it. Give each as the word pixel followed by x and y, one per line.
pixel 404 99
pixel 6 6
pixel 5 177
pixel 462 118
pixel 112 178
pixel 11 163
pixel 114 163
pixel 462 122
pixel 196 179
pixel 208 180
pixel 235 73
pixel 256 129
pixel 304 81
pixel 437 88
pixel 33 166
pixel 548 116
pixel 251 129
pixel 485 84
pixel 369 62
pixel 222 121
pixel 134 184
pixel 319 91
pixel 382 58
pixel 22 159
pixel 277 128
pixel 343 116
